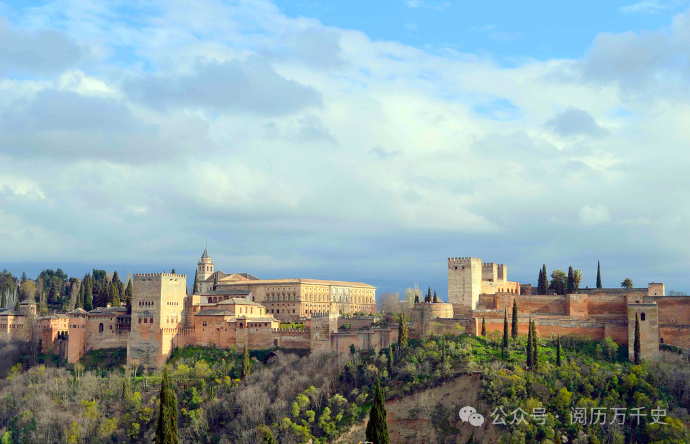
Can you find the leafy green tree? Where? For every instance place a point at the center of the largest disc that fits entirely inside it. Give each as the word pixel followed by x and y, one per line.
pixel 166 429
pixel 558 352
pixel 195 289
pixel 116 299
pixel 610 348
pixel 514 331
pixel 483 326
pixel 627 283
pixel 377 428
pixel 352 349
pixel 637 353
pixel 246 363
pixel 266 434
pixel 559 281
pixel 390 361
pixel 599 274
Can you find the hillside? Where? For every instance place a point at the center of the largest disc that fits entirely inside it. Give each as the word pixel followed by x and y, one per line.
pixel 325 397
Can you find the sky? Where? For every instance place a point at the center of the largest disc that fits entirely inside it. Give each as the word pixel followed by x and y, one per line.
pixel 346 140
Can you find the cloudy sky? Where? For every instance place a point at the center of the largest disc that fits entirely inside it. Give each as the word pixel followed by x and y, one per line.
pixel 345 141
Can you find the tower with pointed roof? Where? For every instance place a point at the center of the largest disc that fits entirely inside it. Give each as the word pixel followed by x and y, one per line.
pixel 205 269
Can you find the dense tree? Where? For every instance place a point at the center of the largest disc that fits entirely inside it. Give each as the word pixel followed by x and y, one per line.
pixel 215 281
pixel 266 434
pixel 558 352
pixel 483 326
pixel 428 296
pixel 195 288
pixel 599 274
pixel 128 292
pixel 166 428
pixel 627 283
pixel 416 299
pixel 637 353
pixel 377 428
pixel 246 363
pixel 435 298
pixel 540 282
pixel 514 327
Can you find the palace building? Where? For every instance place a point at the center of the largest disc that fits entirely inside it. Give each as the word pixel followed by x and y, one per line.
pixel 286 299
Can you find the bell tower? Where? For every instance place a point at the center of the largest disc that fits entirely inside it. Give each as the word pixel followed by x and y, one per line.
pixel 205 269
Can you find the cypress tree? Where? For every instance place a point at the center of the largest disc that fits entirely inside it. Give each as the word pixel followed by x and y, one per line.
pixel 377 428
pixel 505 329
pixel 195 289
pixel 428 296
pixel 246 363
pixel 571 281
pixel 637 351
pixel 390 360
pixel 116 299
pixel 544 280
pixel 529 352
pixel 539 282
pixel 514 331
pixel 435 297
pixel 535 345
pixel 166 429
pixel 483 326
pixel 598 274
pixel 215 281
pixel 403 332
pixel 558 352
pixel 88 293
pixel 128 291
pixel 416 298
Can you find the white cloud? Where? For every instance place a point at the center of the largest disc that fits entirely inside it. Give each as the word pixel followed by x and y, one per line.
pixel 597 215
pixel 648 7
pixel 414 3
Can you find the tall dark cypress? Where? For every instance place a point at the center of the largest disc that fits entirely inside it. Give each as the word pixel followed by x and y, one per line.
pixel 598 274
pixel 246 363
pixel 435 298
pixel 428 296
pixel 529 352
pixel 544 280
pixel 514 331
pixel 195 289
pixel 571 281
pixel 483 326
pixel 505 329
pixel 377 428
pixel 539 282
pixel 535 345
pixel 166 429
pixel 637 352
pixel 88 293
pixel 403 332
pixel 558 352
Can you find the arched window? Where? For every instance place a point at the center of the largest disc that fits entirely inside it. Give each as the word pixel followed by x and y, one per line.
pixel 100 328
pixel 642 317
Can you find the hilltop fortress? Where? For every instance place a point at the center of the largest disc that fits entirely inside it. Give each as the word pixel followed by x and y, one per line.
pixel 243 311
pixel 479 291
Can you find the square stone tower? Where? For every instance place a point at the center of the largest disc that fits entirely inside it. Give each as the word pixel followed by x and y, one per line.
pixel 158 302
pixel 648 314
pixel 464 283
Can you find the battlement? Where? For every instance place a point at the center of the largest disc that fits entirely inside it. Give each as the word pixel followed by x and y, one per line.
pixel 291 330
pixel 488 265
pixel 456 261
pixel 144 276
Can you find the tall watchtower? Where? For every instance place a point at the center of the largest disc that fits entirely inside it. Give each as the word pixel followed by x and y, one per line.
pixel 464 283
pixel 158 302
pixel 205 270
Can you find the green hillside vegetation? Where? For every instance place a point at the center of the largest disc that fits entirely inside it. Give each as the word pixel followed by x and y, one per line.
pixel 288 398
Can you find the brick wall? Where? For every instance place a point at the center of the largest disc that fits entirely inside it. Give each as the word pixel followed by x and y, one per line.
pixel 678 335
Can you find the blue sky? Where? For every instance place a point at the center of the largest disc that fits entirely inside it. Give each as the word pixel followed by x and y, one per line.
pixel 347 140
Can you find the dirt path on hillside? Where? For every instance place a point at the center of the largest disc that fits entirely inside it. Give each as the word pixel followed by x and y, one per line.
pixel 431 416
